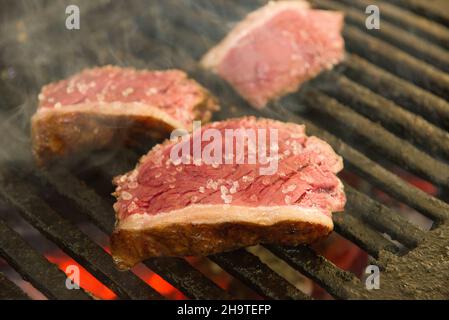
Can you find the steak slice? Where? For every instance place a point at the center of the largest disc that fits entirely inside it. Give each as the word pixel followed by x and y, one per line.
pixel 103 105
pixel 276 48
pixel 200 206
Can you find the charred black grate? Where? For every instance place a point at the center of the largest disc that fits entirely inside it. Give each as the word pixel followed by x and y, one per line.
pixel 385 106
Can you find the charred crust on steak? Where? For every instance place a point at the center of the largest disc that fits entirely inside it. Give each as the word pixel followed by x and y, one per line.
pixel 58 137
pixel 61 131
pixel 132 246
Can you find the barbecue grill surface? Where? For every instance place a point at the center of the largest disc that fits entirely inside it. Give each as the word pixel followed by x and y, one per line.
pixel 386 106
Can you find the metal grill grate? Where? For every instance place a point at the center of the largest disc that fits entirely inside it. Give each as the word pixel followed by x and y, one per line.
pixel 386 104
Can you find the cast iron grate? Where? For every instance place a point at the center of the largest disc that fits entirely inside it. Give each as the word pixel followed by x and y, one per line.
pixel 385 106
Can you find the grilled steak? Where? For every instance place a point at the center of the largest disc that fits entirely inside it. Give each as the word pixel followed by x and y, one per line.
pixel 102 105
pixel 276 48
pixel 194 205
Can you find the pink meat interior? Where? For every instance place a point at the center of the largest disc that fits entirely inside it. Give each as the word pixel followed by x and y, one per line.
pixel 305 176
pixel 169 90
pixel 288 49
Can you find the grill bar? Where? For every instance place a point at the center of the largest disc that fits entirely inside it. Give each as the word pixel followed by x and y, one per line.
pixel 350 227
pixel 250 270
pixel 45 276
pixel 176 271
pixel 396 119
pixel 397 61
pixel 66 184
pixel 382 218
pixel 9 291
pixel 187 279
pixel 380 177
pixel 339 283
pixel 400 151
pixel 403 93
pixel 426 28
pixel 418 47
pixel 70 238
pixel 431 9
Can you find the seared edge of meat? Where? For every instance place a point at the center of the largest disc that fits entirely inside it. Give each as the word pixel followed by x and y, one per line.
pixel 209 229
pixel 65 131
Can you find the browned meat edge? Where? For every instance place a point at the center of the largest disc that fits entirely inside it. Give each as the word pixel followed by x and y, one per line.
pixel 130 246
pixel 58 134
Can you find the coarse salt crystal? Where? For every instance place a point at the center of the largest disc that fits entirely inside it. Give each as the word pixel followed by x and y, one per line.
pixel 297 148
pixel 234 187
pixel 127 92
pixel 133 185
pixel 289 188
pixel 211 184
pixel 132 206
pixel 151 91
pixel 126 195
pixel 223 190
pixel 226 198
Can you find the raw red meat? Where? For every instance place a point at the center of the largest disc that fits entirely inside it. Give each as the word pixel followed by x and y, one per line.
pixel 167 208
pixel 103 105
pixel 276 48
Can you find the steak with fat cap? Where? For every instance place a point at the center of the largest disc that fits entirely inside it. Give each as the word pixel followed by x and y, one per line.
pixel 199 207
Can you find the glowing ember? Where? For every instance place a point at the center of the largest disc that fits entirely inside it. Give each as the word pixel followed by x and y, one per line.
pixel 159 284
pixel 88 282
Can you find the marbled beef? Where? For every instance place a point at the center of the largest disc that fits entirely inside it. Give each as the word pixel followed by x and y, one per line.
pixel 168 208
pixel 104 105
pixel 276 48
